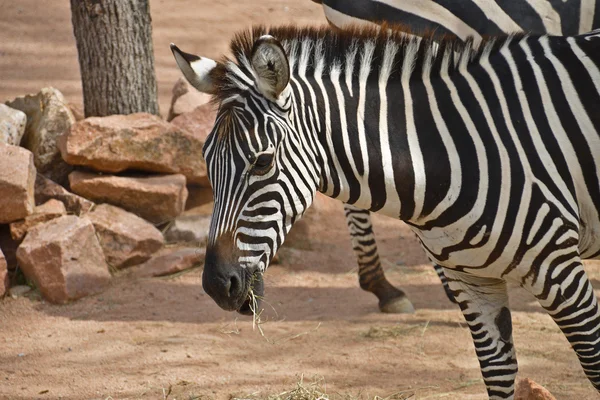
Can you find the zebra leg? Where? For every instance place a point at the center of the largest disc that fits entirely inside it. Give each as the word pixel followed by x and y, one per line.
pixel 439 270
pixel 484 304
pixel 569 298
pixel 370 274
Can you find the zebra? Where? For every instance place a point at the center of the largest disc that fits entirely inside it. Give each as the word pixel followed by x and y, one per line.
pixel 469 18
pixel 475 18
pixel 486 152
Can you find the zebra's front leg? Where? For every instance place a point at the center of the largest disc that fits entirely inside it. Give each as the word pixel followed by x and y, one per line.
pixel 484 304
pixel 370 273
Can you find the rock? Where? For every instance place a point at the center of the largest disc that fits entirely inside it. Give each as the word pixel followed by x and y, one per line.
pixel 17 180
pixel 137 141
pixel 9 247
pixel 3 275
pixel 299 236
pixel 189 228
pixel 155 198
pixel 126 239
pixel 19 291
pixel 198 122
pixel 64 259
pixel 12 125
pixel 43 213
pixel 197 196
pixel 529 390
pixel 77 110
pixel 205 209
pixel 170 262
pixel 48 118
pixel 46 190
pixel 185 98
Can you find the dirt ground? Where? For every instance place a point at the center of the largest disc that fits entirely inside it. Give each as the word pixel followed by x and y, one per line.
pixel 164 338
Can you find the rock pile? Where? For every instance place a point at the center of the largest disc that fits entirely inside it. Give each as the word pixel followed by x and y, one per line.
pixel 80 198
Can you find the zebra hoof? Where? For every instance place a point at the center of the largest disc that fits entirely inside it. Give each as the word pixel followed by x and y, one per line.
pixel 398 305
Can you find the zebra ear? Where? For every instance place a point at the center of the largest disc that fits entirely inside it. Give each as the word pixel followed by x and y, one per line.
pixel 195 69
pixel 270 63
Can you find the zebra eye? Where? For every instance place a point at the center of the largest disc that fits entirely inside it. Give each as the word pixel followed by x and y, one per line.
pixel 262 163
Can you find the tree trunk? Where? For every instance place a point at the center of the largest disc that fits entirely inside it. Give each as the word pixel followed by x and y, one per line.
pixel 114 42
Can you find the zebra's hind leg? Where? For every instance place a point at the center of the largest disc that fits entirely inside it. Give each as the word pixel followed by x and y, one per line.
pixel 370 273
pixel 567 294
pixel 440 273
pixel 484 304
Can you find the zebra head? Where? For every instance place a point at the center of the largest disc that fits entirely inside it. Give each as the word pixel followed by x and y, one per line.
pixel 258 177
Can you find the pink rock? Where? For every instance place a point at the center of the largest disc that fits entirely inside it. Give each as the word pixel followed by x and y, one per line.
pixel 64 259
pixel 529 390
pixel 44 213
pixel 9 247
pixel 17 180
pixel 170 262
pixel 126 239
pixel 198 122
pixel 48 118
pixel 190 229
pixel 137 141
pixel 198 196
pixel 185 98
pixel 155 198
pixel 77 111
pixel 3 275
pixel 45 190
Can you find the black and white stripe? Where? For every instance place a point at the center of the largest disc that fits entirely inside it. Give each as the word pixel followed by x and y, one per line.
pixel 489 153
pixel 470 17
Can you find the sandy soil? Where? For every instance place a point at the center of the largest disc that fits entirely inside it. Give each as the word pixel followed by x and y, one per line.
pixel 164 338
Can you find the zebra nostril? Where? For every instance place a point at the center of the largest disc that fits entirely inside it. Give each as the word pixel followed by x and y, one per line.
pixel 233 286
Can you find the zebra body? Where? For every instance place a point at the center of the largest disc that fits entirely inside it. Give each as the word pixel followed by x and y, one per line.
pixel 476 18
pixel 469 18
pixel 487 152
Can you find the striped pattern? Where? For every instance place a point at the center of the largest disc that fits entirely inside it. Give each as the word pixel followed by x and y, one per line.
pixel 464 18
pixel 490 155
pixel 469 18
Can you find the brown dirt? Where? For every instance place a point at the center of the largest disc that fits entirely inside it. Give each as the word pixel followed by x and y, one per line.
pixel 164 338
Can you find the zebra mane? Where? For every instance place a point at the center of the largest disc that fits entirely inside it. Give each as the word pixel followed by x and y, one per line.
pixel 309 48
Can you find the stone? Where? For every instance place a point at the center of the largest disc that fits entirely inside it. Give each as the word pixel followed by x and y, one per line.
pixel 19 291
pixel 12 125
pixel 64 259
pixel 189 228
pixel 126 239
pixel 170 262
pixel 205 209
pixel 48 118
pixel 527 389
pixel 185 98
pixel 9 247
pixel 142 142
pixel 45 190
pixel 17 180
pixel 300 237
pixel 3 275
pixel 77 110
pixel 43 213
pixel 198 122
pixel 197 196
pixel 157 199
